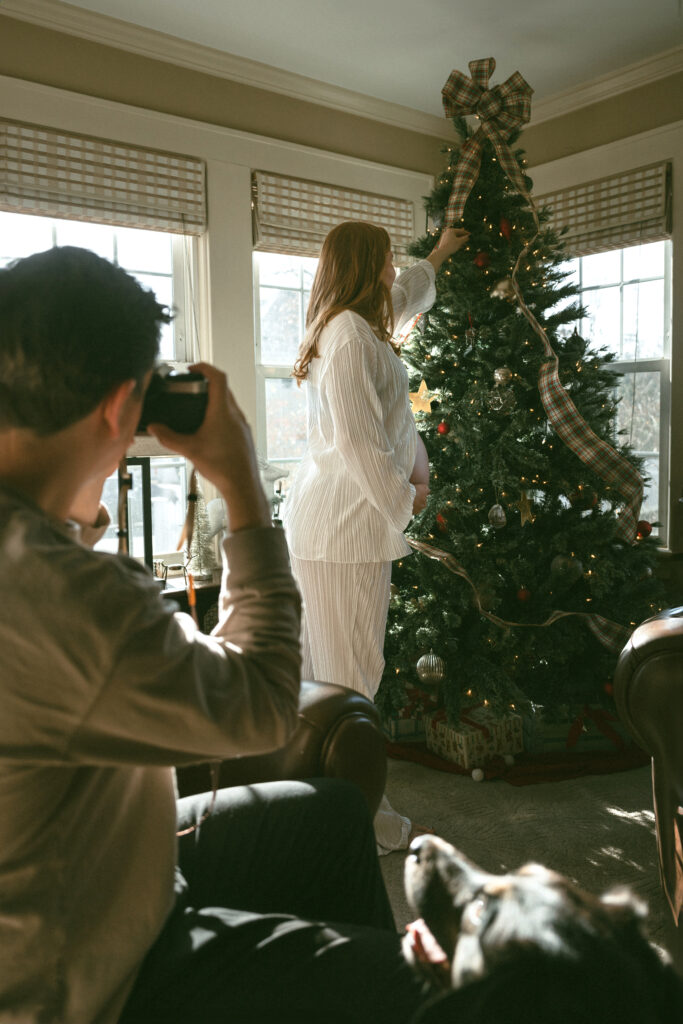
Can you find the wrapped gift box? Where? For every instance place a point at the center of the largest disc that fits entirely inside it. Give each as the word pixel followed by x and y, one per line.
pixel 591 729
pixel 478 736
pixel 403 730
pixel 407 725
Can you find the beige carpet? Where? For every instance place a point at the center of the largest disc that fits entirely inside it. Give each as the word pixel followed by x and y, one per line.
pixel 598 830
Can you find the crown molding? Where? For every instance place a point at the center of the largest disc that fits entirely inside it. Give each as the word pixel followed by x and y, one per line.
pixel 608 86
pixel 101 28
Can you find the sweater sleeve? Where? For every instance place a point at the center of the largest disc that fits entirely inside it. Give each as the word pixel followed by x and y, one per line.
pixel 414 291
pixel 140 684
pixel 349 390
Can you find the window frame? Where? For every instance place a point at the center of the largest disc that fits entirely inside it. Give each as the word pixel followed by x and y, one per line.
pixel 660 365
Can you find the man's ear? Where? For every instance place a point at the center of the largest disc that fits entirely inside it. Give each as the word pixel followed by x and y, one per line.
pixel 115 407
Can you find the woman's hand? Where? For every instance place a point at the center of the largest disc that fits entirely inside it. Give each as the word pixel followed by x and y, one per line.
pixel 450 240
pixel 420 499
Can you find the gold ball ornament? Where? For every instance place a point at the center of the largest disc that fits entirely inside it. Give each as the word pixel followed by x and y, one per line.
pixel 431 669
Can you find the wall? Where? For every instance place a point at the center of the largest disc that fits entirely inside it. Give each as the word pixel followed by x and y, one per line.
pixel 34 53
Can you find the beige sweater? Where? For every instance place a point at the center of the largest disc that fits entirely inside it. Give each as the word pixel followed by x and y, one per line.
pixel 102 689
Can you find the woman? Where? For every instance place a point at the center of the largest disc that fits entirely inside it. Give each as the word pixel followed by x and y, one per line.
pixel 365 471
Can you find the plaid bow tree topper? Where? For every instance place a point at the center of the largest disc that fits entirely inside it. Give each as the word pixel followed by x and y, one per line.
pixel 501 111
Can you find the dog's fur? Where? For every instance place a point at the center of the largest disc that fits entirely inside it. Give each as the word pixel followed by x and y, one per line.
pixel 532 948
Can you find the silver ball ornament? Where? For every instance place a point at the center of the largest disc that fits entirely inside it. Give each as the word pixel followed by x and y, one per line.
pixel 502 375
pixel 497 517
pixel 431 669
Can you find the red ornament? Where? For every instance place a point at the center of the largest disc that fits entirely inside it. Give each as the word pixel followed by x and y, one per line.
pixel 482 260
pixel 443 428
pixel 506 229
pixel 609 689
pixel 523 594
pixel 643 529
pixel 441 523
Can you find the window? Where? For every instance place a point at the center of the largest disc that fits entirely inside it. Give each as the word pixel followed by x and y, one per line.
pixel 282 285
pixel 161 262
pixel 627 296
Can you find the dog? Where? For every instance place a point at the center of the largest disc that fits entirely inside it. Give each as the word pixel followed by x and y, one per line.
pixel 529 947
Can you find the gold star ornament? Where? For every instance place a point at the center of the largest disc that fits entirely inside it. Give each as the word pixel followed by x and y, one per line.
pixel 421 400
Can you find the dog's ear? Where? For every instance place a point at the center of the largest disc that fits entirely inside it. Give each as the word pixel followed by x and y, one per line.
pixel 624 905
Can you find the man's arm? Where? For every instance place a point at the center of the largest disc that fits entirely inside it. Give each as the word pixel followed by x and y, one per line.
pixel 168 694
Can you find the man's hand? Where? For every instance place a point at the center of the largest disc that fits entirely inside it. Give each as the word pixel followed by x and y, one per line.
pixel 223 452
pixel 450 240
pixel 420 499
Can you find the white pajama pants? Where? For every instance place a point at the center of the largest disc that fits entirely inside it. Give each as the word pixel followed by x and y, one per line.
pixel 342 639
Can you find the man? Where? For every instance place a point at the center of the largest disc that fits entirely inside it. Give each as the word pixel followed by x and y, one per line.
pixel 104 915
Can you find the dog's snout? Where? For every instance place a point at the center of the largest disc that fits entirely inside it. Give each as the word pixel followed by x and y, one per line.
pixel 420 846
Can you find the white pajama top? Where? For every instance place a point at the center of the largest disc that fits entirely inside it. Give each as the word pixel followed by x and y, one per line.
pixel 351 498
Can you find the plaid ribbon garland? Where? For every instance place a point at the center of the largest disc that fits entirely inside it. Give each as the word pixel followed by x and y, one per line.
pixel 610 634
pixel 501 110
pixel 573 430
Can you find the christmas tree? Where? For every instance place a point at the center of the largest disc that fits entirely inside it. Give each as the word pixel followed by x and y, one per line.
pixel 517 527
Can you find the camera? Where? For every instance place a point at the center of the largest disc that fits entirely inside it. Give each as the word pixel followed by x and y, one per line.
pixel 177 400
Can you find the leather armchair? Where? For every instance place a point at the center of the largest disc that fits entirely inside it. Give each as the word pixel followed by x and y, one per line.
pixel 648 690
pixel 339 735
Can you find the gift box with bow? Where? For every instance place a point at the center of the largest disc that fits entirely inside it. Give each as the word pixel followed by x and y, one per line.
pixel 592 728
pixel 408 723
pixel 479 735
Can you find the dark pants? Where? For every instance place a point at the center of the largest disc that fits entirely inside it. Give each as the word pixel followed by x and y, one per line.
pixel 244 943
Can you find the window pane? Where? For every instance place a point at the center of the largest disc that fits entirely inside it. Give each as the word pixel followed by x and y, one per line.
pixel 571 269
pixel 168 477
pixel 308 268
pixel 163 289
pixel 601 268
pixel 650 508
pixel 644 261
pixel 99 238
pixel 110 497
pixel 144 250
pixel 281 326
pixel 21 235
pixel 280 270
pixel 638 412
pixel 603 323
pixel 286 419
pixel 643 320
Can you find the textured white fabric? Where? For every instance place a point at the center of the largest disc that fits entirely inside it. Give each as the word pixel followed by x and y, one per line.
pixel 351 497
pixel 343 622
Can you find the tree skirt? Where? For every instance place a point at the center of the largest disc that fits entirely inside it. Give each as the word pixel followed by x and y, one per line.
pixel 530 768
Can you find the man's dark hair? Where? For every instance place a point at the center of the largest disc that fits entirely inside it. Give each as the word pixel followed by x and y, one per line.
pixel 72 327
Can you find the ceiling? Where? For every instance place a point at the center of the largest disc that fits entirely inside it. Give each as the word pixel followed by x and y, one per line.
pixel 403 50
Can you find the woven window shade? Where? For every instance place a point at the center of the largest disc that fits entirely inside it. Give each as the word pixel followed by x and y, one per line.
pixel 292 215
pixel 612 213
pixel 57 174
